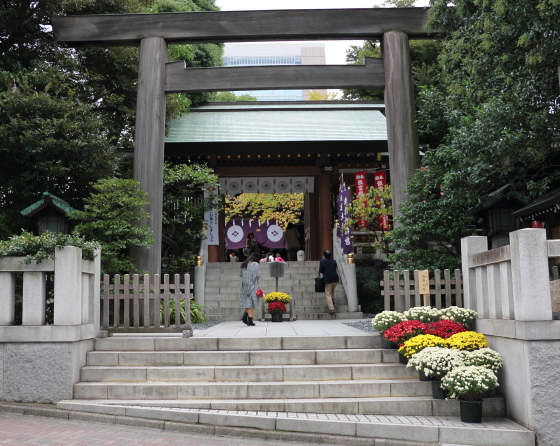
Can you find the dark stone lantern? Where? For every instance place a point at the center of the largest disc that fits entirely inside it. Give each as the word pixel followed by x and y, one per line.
pixel 52 212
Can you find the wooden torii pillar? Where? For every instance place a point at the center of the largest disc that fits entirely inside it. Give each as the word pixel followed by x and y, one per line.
pixel 156 78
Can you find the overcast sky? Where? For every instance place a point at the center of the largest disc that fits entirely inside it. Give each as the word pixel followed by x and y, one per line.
pixel 335 50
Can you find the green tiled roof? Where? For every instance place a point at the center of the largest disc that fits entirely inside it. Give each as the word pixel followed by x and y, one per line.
pixel 328 121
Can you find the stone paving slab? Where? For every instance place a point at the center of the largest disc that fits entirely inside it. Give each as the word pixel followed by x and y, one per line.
pixel 427 429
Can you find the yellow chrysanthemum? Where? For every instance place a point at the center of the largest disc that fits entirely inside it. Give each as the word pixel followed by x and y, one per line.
pixel 420 342
pixel 277 297
pixel 467 340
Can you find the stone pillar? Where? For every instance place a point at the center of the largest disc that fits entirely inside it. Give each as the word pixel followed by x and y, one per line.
pixel 469 246
pixel 529 272
pixel 68 286
pixel 325 226
pixel 7 298
pixel 34 298
pixel 402 136
pixel 149 145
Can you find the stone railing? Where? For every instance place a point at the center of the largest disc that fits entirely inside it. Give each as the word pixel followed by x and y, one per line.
pixel 347 273
pixel 511 282
pixel 76 298
pixel 40 363
pixel 510 287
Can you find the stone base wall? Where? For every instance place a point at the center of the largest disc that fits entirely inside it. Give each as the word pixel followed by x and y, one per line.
pixel 40 372
pixel 529 381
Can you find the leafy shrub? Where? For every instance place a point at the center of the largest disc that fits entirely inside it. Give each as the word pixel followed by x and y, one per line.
pixel 38 248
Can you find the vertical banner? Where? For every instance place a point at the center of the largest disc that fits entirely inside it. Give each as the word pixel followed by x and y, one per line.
pixel 211 217
pixel 380 181
pixel 346 238
pixel 360 180
pixel 340 206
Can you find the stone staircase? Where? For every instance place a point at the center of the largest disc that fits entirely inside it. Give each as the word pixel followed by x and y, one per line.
pixel 296 383
pixel 223 284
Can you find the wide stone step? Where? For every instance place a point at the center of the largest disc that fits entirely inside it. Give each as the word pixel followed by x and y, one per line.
pixel 176 344
pixel 242 358
pixel 354 429
pixel 252 390
pixel 327 316
pixel 257 373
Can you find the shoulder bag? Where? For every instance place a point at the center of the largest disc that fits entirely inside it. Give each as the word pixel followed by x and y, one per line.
pixel 319 284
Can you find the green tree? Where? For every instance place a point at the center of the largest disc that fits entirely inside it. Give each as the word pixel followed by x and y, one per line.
pixel 493 119
pixel 229 96
pixel 110 217
pixel 183 212
pixel 65 113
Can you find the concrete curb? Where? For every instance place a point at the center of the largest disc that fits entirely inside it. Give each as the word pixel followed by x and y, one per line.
pixel 191 428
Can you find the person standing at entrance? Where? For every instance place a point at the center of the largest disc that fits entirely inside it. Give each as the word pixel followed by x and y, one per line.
pixel 291 240
pixel 250 272
pixel 327 267
pixel 251 246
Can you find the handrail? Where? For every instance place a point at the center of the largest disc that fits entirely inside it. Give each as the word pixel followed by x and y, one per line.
pixel 347 274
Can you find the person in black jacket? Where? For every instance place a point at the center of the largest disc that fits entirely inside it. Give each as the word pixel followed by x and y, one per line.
pixel 327 267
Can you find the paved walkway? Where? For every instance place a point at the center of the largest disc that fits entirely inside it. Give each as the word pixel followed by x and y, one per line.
pixel 31 430
pixel 236 329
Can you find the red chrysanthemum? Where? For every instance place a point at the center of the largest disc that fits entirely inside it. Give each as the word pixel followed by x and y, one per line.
pixel 276 307
pixel 403 331
pixel 445 328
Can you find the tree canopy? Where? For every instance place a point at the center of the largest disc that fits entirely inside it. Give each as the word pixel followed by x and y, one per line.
pixel 285 208
pixel 492 120
pixel 65 113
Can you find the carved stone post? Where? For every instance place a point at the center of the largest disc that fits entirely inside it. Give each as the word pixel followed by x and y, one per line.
pixel 149 144
pixel 402 136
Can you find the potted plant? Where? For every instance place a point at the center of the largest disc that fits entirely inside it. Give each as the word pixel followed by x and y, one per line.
pixel 276 309
pixel 469 383
pixel 445 328
pixel 419 343
pixel 422 314
pixel 467 340
pixel 385 320
pixel 436 362
pixel 277 297
pixel 463 316
pixel 403 331
pixel 484 357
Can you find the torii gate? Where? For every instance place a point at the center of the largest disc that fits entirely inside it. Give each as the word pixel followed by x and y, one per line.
pixel 156 78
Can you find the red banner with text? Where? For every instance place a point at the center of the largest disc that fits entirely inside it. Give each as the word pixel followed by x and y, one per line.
pixel 380 181
pixel 360 180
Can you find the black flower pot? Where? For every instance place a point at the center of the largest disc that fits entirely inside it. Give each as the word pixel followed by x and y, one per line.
pixel 471 411
pixel 387 345
pixel 423 376
pixel 276 317
pixel 403 359
pixel 437 392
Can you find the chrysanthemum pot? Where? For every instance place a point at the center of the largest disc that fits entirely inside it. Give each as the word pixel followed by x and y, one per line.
pixel 437 392
pixel 276 317
pixel 471 411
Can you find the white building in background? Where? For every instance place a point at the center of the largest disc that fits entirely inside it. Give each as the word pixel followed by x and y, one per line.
pixel 281 53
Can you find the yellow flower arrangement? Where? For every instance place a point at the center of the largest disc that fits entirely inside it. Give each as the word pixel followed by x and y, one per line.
pixel 420 342
pixel 277 297
pixel 467 340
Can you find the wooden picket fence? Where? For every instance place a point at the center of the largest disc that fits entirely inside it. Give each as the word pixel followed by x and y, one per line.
pixel 402 294
pixel 125 309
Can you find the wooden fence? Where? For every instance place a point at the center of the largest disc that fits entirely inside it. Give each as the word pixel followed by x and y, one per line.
pixel 403 294
pixel 125 309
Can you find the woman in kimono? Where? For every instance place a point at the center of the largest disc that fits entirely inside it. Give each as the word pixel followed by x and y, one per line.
pixel 250 272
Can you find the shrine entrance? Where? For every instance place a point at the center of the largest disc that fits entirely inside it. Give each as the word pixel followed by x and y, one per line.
pixel 283 147
pixel 153 32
